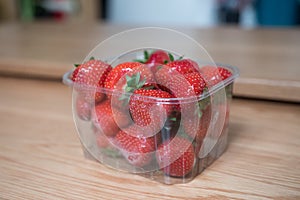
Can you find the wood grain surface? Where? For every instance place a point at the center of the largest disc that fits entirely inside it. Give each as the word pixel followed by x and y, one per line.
pixel 41 157
pixel 268 59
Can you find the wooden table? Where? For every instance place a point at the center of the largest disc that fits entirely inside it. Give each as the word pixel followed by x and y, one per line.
pixel 41 157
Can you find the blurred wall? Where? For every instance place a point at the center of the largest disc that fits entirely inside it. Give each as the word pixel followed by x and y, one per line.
pixel 8 10
pixel 163 12
pixel 84 11
pixel 278 12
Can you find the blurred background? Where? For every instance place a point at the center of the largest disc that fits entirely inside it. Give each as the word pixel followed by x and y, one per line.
pixel 43 38
pixel 188 13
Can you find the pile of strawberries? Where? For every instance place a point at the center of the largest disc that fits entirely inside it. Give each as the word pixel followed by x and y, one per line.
pixel 137 108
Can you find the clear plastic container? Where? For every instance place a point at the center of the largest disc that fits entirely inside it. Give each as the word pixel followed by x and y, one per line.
pixel 183 134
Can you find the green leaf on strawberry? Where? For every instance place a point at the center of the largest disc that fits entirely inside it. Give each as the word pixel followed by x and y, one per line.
pixel 146 55
pixel 171 57
pixel 133 83
pixel 181 57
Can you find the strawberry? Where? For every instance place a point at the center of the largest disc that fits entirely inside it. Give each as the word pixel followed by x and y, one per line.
pixel 184 66
pixel 180 87
pixel 108 120
pixel 198 125
pixel 173 81
pixel 214 75
pixel 83 108
pixel 89 76
pixel 118 72
pixel 136 150
pixel 159 57
pixel 176 157
pixel 139 77
pixel 156 57
pixel 148 112
pixel 196 81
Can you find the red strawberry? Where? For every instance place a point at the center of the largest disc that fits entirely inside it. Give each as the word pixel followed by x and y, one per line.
pixel 173 81
pixel 176 157
pixel 139 77
pixel 180 87
pixel 214 75
pixel 89 76
pixel 156 57
pixel 198 125
pixel 136 150
pixel 118 72
pixel 196 81
pixel 159 57
pixel 105 119
pixel 148 112
pixel 184 66
pixel 83 108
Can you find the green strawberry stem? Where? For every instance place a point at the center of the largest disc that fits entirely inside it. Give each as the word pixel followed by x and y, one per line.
pixel 91 58
pixel 146 55
pixel 171 57
pixel 133 83
pixel 181 57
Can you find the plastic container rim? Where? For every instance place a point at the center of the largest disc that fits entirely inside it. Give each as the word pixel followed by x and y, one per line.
pixel 234 70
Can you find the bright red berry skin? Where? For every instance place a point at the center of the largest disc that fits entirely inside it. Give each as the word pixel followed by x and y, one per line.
pixel 158 57
pixel 176 157
pixel 107 120
pixel 224 73
pixel 171 80
pixel 136 150
pixel 89 76
pixel 180 87
pixel 184 66
pixel 196 81
pixel 214 75
pixel 139 77
pixel 197 127
pixel 118 72
pixel 146 111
